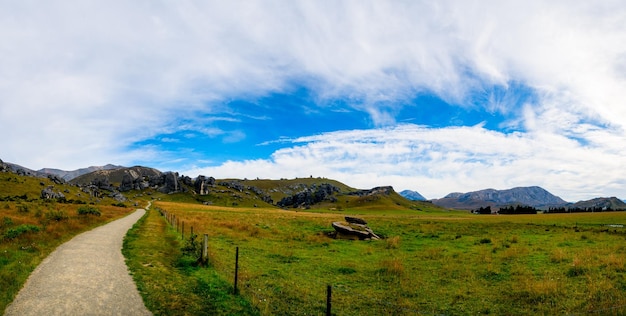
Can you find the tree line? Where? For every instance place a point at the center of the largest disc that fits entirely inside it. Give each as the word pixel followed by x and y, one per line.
pixel 518 209
pixel 581 209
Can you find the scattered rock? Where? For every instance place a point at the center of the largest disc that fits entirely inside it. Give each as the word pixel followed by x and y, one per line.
pixel 56 179
pixel 49 194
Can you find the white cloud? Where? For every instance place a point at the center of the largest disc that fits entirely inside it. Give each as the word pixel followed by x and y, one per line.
pixel 81 81
pixel 439 161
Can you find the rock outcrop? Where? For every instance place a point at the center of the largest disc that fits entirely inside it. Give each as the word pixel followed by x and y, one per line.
pixel 170 183
pixel 4 167
pixel 202 184
pixel 49 194
pixel 386 190
pixel 310 196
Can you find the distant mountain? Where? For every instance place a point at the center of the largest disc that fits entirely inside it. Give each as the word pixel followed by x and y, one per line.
pixel 530 196
pixel 412 195
pixel 23 170
pixel 612 203
pixel 69 175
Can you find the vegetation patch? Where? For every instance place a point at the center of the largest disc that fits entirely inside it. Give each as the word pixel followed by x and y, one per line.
pixel 89 210
pixel 56 215
pixel 19 230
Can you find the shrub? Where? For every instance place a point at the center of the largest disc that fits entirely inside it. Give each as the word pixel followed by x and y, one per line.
pixel 7 221
pixel 485 241
pixel 346 270
pixel 23 208
pixel 19 230
pixel 57 215
pixel 88 210
pixel 192 247
pixel 575 271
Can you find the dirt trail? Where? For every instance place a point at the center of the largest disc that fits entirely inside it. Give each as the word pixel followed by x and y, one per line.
pixel 84 276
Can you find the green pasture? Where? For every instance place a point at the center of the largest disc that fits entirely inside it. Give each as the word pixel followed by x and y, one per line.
pixel 429 262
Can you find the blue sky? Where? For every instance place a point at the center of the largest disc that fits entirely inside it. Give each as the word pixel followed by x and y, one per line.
pixel 435 97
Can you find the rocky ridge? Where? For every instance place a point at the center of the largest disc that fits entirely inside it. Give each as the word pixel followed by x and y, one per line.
pixel 529 196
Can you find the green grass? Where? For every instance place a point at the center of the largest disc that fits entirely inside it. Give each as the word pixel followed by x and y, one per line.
pixel 431 262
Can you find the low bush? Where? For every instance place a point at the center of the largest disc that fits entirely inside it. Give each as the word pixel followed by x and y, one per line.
pixel 88 210
pixel 192 247
pixel 22 208
pixel 19 230
pixel 57 215
pixel 7 221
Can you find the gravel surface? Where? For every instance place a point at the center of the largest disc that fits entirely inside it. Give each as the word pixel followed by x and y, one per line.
pixel 84 276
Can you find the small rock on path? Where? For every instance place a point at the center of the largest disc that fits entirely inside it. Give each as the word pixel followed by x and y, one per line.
pixel 84 276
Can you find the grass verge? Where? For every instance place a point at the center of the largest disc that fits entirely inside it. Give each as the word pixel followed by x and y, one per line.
pixel 169 282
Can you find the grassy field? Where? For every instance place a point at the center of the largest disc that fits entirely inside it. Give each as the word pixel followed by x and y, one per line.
pixel 430 262
pixel 31 228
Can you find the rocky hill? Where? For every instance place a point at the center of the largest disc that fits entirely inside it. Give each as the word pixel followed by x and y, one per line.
pixel 529 196
pixel 412 195
pixel 612 203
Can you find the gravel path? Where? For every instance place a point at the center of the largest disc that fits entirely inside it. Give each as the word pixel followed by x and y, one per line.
pixel 84 276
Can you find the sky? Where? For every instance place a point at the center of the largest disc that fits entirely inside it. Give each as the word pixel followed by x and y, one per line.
pixel 431 96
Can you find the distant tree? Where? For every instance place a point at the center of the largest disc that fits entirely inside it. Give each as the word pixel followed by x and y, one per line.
pixel 484 210
pixel 519 209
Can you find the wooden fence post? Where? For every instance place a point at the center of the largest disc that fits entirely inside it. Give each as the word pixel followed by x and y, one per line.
pixel 236 269
pixel 205 249
pixel 329 294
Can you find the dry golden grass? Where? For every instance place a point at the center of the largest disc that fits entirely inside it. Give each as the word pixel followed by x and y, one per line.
pixel 393 242
pixel 559 255
pixel 20 255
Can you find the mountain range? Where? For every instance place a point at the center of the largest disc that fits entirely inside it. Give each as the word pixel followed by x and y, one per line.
pixel 533 196
pixel 141 177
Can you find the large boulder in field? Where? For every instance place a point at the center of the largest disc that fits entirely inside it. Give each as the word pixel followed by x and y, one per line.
pixel 354 228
